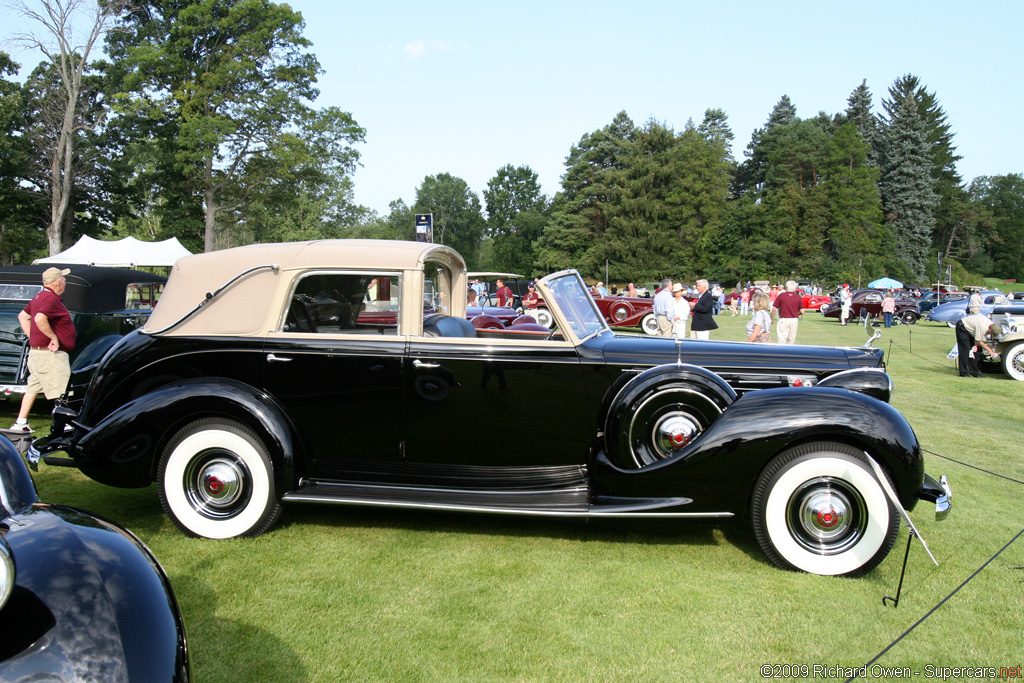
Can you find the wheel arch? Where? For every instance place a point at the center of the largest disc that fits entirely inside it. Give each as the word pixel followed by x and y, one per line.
pixel 125 448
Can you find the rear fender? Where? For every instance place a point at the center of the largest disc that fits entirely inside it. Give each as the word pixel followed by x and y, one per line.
pixel 124 448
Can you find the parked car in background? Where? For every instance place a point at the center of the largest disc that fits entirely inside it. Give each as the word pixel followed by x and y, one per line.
pixel 868 303
pixel 814 301
pixel 235 415
pixel 81 598
pixel 932 298
pixel 105 304
pixel 992 303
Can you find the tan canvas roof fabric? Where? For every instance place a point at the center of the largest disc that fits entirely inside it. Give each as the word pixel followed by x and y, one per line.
pixel 250 305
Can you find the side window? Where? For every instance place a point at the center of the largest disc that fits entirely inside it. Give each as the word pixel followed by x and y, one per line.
pixel 344 303
pixel 437 288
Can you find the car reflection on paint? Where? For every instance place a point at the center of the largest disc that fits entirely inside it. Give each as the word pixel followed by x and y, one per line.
pixel 81 599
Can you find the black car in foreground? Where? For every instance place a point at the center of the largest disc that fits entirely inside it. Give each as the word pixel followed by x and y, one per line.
pixel 105 304
pixel 81 598
pixel 237 401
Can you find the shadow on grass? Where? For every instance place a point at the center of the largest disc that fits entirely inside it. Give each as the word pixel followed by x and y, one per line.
pixel 213 640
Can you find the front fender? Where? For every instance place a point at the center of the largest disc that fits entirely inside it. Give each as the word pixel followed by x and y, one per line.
pixel 124 448
pixel 719 469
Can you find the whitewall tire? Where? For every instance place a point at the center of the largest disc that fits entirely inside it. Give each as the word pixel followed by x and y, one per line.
pixel 216 481
pixel 1013 361
pixel 649 324
pixel 819 508
pixel 544 317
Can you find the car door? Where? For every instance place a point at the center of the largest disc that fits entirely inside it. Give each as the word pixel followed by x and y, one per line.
pixel 336 365
pixel 488 412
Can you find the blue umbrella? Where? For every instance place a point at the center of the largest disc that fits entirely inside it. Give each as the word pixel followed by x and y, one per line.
pixel 885 283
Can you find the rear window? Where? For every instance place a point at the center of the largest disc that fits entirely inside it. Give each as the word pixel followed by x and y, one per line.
pixel 19 292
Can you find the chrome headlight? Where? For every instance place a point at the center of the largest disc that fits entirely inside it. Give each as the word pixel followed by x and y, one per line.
pixel 1008 324
pixel 7 573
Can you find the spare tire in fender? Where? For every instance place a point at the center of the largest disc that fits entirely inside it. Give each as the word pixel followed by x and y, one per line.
pixel 658 413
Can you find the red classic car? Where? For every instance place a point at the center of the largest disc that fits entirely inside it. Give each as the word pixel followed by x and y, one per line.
pixel 815 301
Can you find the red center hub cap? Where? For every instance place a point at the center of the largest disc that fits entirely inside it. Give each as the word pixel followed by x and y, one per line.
pixel 214 485
pixel 827 518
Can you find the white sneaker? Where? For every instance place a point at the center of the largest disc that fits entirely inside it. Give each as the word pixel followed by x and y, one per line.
pixel 21 428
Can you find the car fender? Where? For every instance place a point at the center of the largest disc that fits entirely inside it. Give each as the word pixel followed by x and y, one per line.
pixel 91 602
pixel 124 448
pixel 718 469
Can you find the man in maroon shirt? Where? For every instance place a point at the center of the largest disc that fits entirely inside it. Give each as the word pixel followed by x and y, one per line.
pixel 51 334
pixel 788 305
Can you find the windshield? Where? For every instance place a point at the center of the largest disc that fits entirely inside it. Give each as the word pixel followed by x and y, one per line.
pixel 573 300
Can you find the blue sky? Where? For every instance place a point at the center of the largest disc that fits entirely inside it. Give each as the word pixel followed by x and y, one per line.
pixel 467 87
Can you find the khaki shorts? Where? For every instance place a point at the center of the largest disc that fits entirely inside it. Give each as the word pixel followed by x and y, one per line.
pixel 49 373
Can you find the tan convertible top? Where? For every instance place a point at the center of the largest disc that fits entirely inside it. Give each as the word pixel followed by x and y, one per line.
pixel 246 306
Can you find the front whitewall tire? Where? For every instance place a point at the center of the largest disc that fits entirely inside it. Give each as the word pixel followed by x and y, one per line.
pixel 831 480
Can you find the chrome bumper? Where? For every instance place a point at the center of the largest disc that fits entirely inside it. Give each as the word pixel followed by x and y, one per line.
pixel 937 492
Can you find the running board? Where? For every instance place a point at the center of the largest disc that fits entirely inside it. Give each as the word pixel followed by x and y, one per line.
pixel 569 502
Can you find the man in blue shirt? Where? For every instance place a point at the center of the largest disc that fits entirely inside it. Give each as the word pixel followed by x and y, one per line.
pixel 664 308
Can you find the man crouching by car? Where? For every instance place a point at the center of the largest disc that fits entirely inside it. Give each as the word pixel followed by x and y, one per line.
pixel 51 335
pixel 970 334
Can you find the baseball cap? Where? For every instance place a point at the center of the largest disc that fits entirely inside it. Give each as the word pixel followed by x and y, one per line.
pixel 51 275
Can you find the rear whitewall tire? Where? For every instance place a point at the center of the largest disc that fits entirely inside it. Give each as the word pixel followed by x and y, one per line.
pixel 216 480
pixel 649 324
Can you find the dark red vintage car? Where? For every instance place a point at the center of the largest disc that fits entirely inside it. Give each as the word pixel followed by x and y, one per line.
pixel 868 302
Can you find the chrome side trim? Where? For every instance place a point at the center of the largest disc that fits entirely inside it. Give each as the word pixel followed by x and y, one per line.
pixel 589 512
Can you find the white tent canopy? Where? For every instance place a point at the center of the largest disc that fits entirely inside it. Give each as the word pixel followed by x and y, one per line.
pixel 126 253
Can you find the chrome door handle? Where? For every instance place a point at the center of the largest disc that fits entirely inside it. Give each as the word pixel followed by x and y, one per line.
pixel 421 364
pixel 271 358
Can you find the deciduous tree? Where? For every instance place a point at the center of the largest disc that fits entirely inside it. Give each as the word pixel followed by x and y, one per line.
pixel 233 84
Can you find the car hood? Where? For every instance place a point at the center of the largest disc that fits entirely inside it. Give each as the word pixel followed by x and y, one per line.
pixel 727 357
pixel 91 601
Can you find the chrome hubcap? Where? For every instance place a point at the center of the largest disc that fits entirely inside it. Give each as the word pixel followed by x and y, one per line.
pixel 215 484
pixel 826 515
pixel 674 432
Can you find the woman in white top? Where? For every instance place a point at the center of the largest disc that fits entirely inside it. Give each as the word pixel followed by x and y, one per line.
pixel 682 311
pixel 759 329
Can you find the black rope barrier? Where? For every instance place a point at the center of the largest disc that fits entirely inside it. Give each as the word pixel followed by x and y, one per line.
pixel 955 590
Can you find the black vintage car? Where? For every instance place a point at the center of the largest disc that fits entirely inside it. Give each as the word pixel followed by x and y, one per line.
pixel 235 411
pixel 81 599
pixel 105 304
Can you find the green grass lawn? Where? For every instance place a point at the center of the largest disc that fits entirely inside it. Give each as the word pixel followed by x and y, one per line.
pixel 355 594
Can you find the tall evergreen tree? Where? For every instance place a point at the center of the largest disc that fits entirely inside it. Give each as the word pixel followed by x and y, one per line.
pixel 580 212
pixel 907 188
pixel 751 175
pixel 858 111
pixel 643 230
